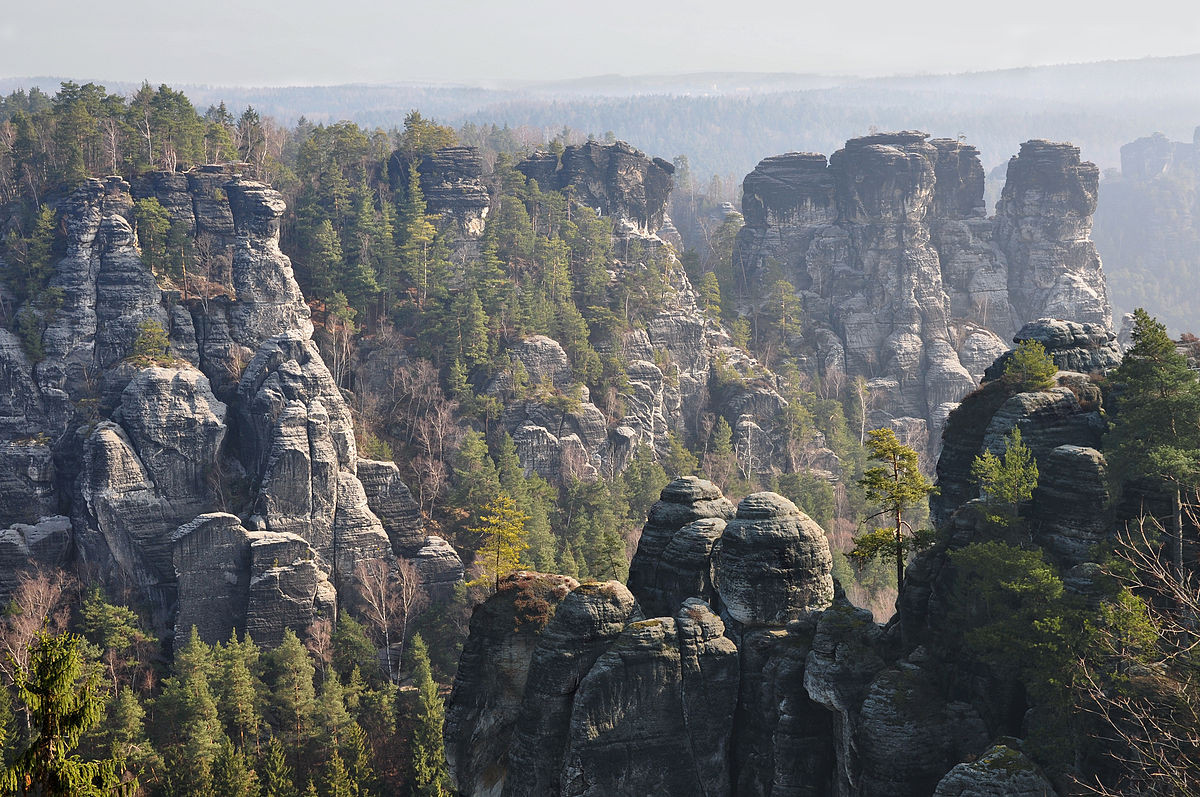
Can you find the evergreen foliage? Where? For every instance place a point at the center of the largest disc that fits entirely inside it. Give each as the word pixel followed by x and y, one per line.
pixel 431 778
pixel 1030 368
pixel 1008 481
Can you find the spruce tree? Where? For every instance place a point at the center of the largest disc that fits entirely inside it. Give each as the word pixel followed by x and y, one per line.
pixel 336 780
pixel 188 711
pixel 277 776
pixel 63 706
pixel 431 777
pixel 292 698
pixel 239 691
pixel 333 720
pixel 232 774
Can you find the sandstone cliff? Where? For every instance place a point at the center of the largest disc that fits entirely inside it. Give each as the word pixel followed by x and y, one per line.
pixel 904 281
pixel 219 478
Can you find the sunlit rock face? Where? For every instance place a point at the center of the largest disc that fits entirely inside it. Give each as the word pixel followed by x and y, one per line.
pixel 904 281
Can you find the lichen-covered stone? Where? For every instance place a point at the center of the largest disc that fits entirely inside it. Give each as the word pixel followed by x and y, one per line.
pixel 1001 771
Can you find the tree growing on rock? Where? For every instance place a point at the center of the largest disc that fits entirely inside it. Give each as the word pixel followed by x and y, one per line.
pixel 1008 481
pixel 1155 434
pixel 1030 368
pixel 502 528
pixel 895 485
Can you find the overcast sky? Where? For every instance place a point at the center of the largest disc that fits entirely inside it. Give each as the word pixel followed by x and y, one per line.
pixel 249 42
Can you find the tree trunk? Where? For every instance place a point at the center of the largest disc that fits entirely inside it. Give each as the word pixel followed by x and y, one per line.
pixel 899 550
pixel 1177 542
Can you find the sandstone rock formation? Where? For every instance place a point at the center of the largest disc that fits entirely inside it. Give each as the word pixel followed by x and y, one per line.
pixel 222 481
pixel 616 179
pixel 904 281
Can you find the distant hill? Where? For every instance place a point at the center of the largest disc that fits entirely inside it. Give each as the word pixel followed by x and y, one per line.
pixel 726 122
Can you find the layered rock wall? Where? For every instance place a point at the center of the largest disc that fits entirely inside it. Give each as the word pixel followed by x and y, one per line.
pixel 904 281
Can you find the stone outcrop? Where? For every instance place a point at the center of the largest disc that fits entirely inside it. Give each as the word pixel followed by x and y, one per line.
pixel 149 460
pixel 904 282
pixel 1001 771
pixel 766 686
pixel 687 520
pixel 619 181
pixel 774 564
pixel 451 181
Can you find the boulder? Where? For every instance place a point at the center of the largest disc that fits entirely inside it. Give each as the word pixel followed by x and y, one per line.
pixel 1002 771
pixel 774 564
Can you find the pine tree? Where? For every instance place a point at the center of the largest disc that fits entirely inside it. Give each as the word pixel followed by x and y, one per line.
pixel 292 698
pixel 333 720
pixel 188 711
pixel 502 528
pixel 469 332
pixel 63 706
pixel 277 778
pixel 431 777
pixel 1006 482
pixel 418 263
pixel 896 485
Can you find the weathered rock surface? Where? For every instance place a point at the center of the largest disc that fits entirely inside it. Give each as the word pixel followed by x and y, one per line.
pixel 452 185
pixel 687 519
pixel 44 544
pixel 1085 348
pixel 247 418
pixel 774 564
pixel 618 180
pixel 903 280
pixel 392 502
pixel 440 566
pixel 584 625
pixel 1000 772
pixel 491 677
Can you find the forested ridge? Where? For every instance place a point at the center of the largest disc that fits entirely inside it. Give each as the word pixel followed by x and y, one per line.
pixel 415 318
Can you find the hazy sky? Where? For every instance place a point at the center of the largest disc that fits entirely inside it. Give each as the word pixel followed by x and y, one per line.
pixel 247 42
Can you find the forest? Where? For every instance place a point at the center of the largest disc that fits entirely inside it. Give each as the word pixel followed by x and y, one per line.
pixel 93 698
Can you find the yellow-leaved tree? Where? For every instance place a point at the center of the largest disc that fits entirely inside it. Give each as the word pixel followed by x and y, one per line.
pixel 502 527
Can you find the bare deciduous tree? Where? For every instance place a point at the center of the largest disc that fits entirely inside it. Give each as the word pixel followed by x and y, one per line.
pixel 319 643
pixel 390 594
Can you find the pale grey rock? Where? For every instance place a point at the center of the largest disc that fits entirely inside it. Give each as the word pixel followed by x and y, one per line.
pixel 440 566
pixel 287 588
pixel 177 427
pixel 212 563
pixel 23 546
pixel 391 501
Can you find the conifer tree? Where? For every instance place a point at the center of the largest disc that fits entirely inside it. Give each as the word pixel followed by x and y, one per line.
pixel 188 711
pixel 239 691
pixel 122 734
pixel 431 777
pixel 336 780
pixel 325 260
pixel 333 720
pixel 895 485
pixel 232 773
pixel 277 777
pixel 502 529
pixel 63 707
pixel 1006 482
pixel 1155 436
pixel 418 260
pixel 358 760
pixel 292 697
pixel 1030 368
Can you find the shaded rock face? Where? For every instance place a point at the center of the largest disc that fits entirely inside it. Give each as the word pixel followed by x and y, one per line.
pixel 618 180
pixel 145 461
pixel 687 519
pixel 451 180
pixel 490 681
pixel 904 280
pixel 1085 348
pixel 768 687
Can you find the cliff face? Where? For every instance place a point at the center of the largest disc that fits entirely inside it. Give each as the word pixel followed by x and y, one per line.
pixel 222 481
pixel 804 693
pixel 769 685
pixel 904 281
